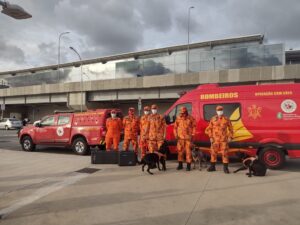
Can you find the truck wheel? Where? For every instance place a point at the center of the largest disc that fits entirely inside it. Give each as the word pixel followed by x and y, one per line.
pixel 80 146
pixel 27 144
pixel 6 127
pixel 272 157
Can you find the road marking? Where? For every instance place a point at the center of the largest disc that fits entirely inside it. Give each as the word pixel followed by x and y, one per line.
pixel 42 192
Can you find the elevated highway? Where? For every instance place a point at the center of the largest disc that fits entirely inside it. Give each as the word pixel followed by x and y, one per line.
pixel 38 100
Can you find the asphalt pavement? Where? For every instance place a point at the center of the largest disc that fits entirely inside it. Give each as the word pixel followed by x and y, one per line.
pixel 9 140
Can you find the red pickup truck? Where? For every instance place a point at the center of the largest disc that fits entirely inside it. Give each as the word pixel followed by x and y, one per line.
pixel 80 131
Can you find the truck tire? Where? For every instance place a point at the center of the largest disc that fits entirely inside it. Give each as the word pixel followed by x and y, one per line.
pixel 27 144
pixel 6 127
pixel 272 157
pixel 80 146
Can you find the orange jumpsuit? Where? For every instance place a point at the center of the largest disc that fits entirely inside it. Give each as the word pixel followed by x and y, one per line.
pixel 220 130
pixel 184 130
pixel 144 135
pixel 157 127
pixel 114 127
pixel 131 129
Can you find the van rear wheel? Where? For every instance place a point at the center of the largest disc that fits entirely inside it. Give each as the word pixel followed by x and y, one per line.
pixel 80 146
pixel 272 157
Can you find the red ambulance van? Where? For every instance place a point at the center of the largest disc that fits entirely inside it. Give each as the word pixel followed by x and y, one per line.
pixel 265 118
pixel 77 130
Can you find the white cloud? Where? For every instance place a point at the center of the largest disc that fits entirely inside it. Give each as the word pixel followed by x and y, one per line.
pixel 106 27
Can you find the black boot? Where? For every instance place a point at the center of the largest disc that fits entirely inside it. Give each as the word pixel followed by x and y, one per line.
pixel 212 167
pixel 179 167
pixel 225 168
pixel 188 167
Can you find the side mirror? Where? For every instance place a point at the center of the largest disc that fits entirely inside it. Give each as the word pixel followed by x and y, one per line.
pixel 38 124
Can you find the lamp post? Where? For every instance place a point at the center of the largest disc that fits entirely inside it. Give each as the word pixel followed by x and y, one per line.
pixel 81 80
pixel 14 11
pixel 58 54
pixel 188 44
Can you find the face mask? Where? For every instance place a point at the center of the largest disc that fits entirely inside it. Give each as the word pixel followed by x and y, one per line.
pixel 113 115
pixel 146 112
pixel 220 113
pixel 183 114
pixel 154 111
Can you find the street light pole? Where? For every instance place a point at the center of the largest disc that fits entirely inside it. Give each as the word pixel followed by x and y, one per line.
pixel 188 45
pixel 81 80
pixel 14 11
pixel 58 54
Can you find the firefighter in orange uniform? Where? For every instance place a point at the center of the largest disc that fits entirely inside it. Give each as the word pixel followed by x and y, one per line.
pixel 157 130
pixel 144 131
pixel 184 131
pixel 114 128
pixel 220 132
pixel 131 130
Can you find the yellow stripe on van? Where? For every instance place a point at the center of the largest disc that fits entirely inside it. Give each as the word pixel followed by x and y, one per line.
pixel 240 132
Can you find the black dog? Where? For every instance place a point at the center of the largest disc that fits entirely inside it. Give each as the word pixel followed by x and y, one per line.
pixel 255 167
pixel 153 160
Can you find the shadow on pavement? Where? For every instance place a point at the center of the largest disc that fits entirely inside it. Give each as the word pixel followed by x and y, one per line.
pixel 55 150
pixel 291 165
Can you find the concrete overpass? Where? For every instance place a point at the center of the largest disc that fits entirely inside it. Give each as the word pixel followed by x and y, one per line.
pixel 38 100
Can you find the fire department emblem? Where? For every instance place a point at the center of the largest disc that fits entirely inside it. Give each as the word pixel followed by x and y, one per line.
pixel 288 106
pixel 60 131
pixel 254 111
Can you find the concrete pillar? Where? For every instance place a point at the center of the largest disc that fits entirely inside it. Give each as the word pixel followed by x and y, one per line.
pixel 37 111
pixel 74 101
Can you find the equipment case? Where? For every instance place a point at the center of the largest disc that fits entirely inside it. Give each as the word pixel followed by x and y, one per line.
pixel 127 158
pixel 104 157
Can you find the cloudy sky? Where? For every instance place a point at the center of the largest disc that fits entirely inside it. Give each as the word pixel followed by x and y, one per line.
pixel 105 27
